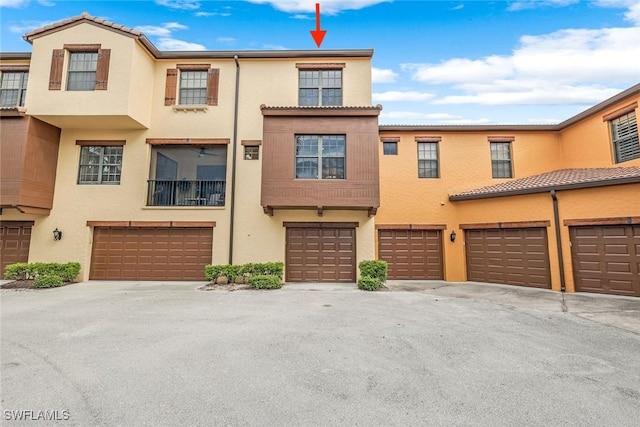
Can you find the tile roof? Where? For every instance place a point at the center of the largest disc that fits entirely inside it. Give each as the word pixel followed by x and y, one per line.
pixel 77 19
pixel 563 179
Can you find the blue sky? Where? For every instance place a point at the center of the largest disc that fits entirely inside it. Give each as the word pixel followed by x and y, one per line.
pixel 435 62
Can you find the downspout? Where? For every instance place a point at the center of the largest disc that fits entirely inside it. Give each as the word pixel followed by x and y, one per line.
pixel 556 218
pixel 232 204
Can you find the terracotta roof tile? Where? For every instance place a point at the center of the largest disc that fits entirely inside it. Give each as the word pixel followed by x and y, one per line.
pixel 558 180
pixel 76 19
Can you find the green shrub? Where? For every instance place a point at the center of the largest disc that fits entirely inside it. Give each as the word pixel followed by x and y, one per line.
pixel 212 272
pixel 265 281
pixel 376 269
pixel 67 272
pixel 367 283
pixel 47 281
pixel 16 271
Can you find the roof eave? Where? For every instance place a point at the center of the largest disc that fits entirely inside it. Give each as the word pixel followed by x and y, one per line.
pixel 561 187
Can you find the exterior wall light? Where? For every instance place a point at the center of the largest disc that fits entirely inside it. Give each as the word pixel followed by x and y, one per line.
pixel 452 236
pixel 57 234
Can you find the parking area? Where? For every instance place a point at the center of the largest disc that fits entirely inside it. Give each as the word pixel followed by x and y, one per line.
pixel 430 353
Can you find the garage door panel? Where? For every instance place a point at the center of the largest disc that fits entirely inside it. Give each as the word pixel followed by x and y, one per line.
pixel 320 254
pixel 412 254
pixel 606 259
pixel 516 256
pixel 150 253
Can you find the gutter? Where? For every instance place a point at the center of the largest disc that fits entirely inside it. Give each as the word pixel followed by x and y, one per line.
pixel 232 205
pixel 556 218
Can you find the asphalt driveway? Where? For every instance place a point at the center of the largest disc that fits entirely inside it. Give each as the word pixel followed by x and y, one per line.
pixel 136 354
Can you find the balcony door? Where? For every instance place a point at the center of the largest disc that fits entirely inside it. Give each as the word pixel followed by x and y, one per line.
pixel 166 173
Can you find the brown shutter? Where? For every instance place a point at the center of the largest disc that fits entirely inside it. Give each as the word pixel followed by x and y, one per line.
pixel 102 69
pixel 170 88
pixel 55 77
pixel 212 86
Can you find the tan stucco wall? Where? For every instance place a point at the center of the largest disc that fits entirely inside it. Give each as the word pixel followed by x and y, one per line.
pixel 125 96
pixel 587 144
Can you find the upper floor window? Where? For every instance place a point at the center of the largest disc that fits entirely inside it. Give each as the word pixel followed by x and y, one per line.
pixel 624 136
pixel 100 164
pixel 320 87
pixel 390 148
pixel 82 70
pixel 88 68
pixel 428 160
pixel 320 156
pixel 192 84
pixel 193 87
pixel 13 88
pixel 501 160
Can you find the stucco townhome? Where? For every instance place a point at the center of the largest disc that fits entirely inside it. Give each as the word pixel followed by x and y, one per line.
pixel 153 164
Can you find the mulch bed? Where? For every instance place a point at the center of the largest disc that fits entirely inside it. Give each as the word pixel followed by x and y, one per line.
pixel 24 284
pixel 230 287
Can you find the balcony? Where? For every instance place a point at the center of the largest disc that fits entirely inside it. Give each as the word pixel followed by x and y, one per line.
pixel 185 193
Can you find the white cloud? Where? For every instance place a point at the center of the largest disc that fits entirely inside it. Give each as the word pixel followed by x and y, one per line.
pixel 167 43
pixel 572 66
pixel 201 14
pixel 14 3
pixel 434 118
pixel 458 7
pixel 328 7
pixel 381 75
pixel 533 4
pixel 164 30
pixel 226 40
pixel 27 26
pixel 633 8
pixel 410 96
pixel 180 4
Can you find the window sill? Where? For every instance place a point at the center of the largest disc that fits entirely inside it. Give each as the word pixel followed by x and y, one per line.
pixel 194 108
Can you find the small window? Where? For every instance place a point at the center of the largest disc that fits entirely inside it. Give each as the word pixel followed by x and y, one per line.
pixel 13 88
pixel 82 70
pixel 251 152
pixel 193 87
pixel 100 165
pixel 428 160
pixel 624 135
pixel 320 87
pixel 501 160
pixel 390 148
pixel 324 152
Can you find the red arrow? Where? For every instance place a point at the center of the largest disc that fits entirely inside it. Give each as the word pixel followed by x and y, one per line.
pixel 318 34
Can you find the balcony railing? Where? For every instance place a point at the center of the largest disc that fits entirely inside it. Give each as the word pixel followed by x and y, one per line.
pixel 185 193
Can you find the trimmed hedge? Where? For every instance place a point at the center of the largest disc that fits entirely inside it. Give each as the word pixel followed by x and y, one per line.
pixel 21 271
pixel 47 281
pixel 246 271
pixel 367 283
pixel 376 269
pixel 265 281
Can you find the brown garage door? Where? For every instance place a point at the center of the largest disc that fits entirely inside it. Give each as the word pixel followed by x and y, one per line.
pixel 606 259
pixel 130 253
pixel 15 238
pixel 512 256
pixel 412 254
pixel 321 254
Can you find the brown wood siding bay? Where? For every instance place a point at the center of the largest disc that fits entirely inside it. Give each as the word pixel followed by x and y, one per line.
pixel 28 159
pixel 606 259
pixel 148 253
pixel 412 254
pixel 360 189
pixel 320 254
pixel 15 239
pixel 511 256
